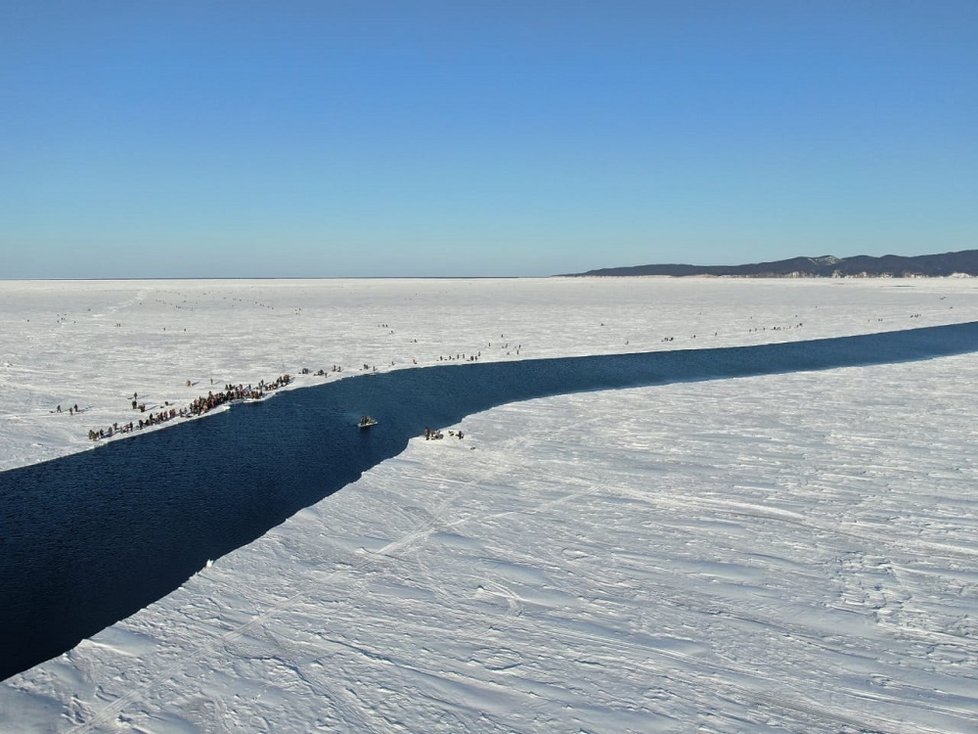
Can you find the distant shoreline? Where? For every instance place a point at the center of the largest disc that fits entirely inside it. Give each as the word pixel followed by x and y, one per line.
pixel 948 264
pixel 589 274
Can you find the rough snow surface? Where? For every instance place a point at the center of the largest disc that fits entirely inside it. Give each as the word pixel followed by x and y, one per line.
pixel 785 553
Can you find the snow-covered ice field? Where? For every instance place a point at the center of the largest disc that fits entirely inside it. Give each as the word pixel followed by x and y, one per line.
pixel 785 553
pixel 95 343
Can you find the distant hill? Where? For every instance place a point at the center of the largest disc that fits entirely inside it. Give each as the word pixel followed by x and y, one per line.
pixel 826 266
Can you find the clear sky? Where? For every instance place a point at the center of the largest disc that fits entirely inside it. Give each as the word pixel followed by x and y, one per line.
pixel 467 137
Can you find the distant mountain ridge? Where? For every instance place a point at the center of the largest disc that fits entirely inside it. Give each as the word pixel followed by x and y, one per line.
pixel 964 262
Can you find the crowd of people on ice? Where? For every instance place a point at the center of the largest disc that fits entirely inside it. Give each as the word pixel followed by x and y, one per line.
pixel 197 407
pixel 433 434
pixel 206 403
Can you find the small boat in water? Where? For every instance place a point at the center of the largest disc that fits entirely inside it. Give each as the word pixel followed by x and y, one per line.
pixel 367 421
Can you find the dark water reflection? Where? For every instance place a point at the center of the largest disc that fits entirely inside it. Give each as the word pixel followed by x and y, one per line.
pixel 89 539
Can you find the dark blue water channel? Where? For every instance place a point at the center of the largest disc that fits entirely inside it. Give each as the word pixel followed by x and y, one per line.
pixel 91 538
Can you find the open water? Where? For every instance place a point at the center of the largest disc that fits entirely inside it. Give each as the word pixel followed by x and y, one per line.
pixel 91 538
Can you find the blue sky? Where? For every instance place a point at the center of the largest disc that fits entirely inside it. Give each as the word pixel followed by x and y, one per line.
pixel 358 138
